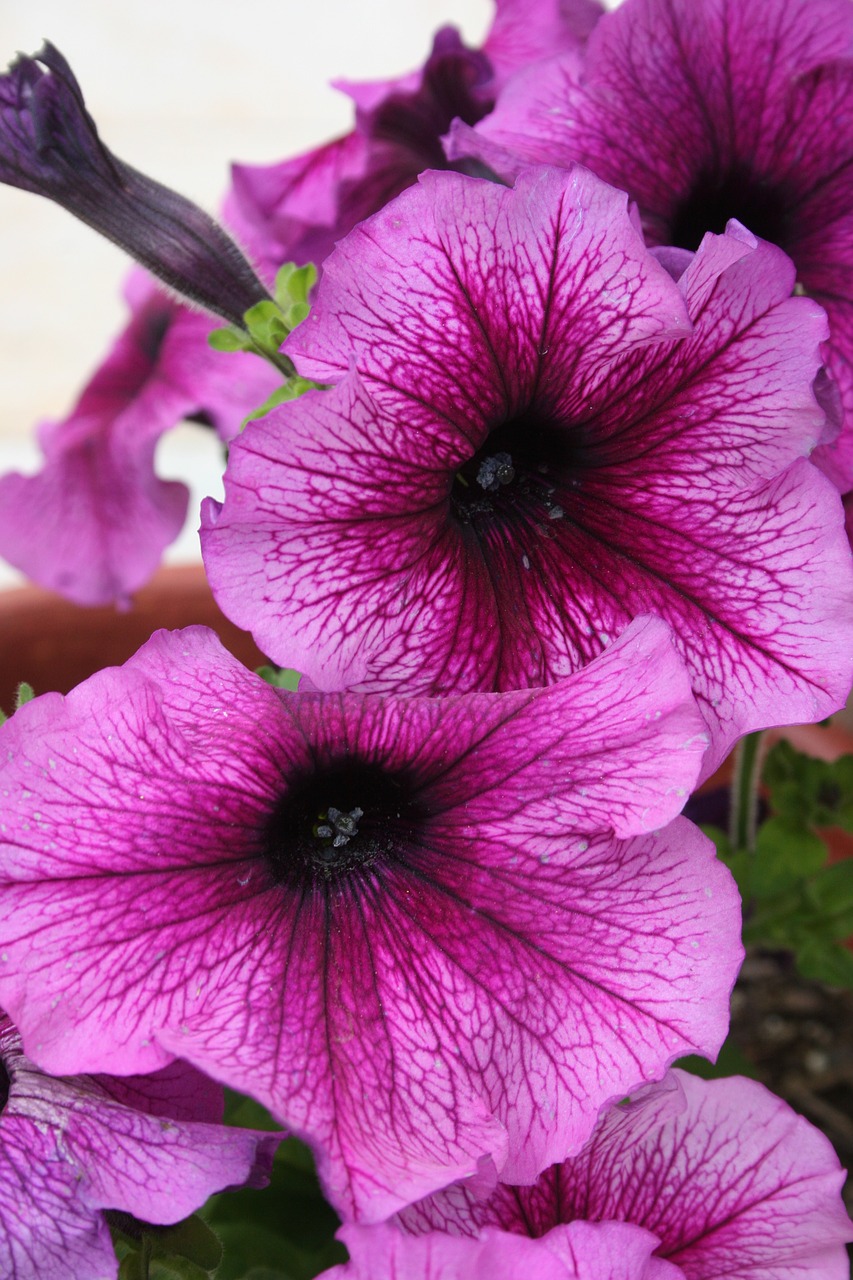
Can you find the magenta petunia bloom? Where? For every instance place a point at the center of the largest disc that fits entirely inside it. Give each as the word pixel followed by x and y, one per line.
pixel 300 208
pixel 536 435
pixel 706 110
pixel 429 934
pixel 578 1251
pixel 151 1146
pixel 94 522
pixel 730 1181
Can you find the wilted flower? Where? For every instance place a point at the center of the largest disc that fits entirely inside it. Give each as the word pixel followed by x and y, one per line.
pixel 151 1146
pixel 518 459
pixel 428 933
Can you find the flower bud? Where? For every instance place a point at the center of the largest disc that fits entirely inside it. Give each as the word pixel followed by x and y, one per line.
pixel 49 145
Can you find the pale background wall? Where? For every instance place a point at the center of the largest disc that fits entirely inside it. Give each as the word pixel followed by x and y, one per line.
pixel 178 88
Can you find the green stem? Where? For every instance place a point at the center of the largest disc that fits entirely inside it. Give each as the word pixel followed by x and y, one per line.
pixel 744 798
pixel 145 1257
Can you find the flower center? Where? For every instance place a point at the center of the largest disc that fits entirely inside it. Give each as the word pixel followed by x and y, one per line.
pixel 340 823
pixel 518 471
pixel 715 198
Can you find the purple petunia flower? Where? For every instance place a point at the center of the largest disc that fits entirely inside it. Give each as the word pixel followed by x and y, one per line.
pixel 578 1251
pixel 300 208
pixel 730 1181
pixel 429 934
pixel 94 522
pixel 537 434
pixel 706 110
pixel 151 1146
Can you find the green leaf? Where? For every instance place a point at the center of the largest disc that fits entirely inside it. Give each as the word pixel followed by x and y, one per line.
pixel 825 962
pixel 830 896
pixel 785 853
pixel 292 286
pixel 809 791
pixel 731 1061
pixel 288 1226
pixel 191 1239
pixel 280 677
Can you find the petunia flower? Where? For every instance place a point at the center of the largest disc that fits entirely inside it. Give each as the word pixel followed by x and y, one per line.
pixel 93 523
pixel 578 1251
pixel 730 1181
pixel 706 110
pixel 49 145
pixel 151 1146
pixel 300 208
pixel 536 435
pixel 431 935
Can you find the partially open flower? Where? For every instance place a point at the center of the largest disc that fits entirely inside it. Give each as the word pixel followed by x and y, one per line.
pixel 151 1146
pixel 433 935
pixel 49 145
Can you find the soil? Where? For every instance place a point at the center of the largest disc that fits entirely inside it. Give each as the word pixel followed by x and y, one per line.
pixel 798 1037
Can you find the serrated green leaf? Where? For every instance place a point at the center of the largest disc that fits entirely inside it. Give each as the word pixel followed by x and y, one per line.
pixel 785 853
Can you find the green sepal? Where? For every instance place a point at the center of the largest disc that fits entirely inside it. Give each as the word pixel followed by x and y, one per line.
pixel 280 677
pixel 230 340
pixel 24 693
pixel 266 325
pixel 292 286
pixel 290 390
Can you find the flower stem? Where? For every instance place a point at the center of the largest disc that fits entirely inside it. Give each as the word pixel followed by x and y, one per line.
pixel 749 759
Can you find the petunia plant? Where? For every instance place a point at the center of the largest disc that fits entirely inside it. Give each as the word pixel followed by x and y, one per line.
pixel 535 396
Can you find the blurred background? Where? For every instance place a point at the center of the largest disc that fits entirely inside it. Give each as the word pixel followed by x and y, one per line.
pixel 179 88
